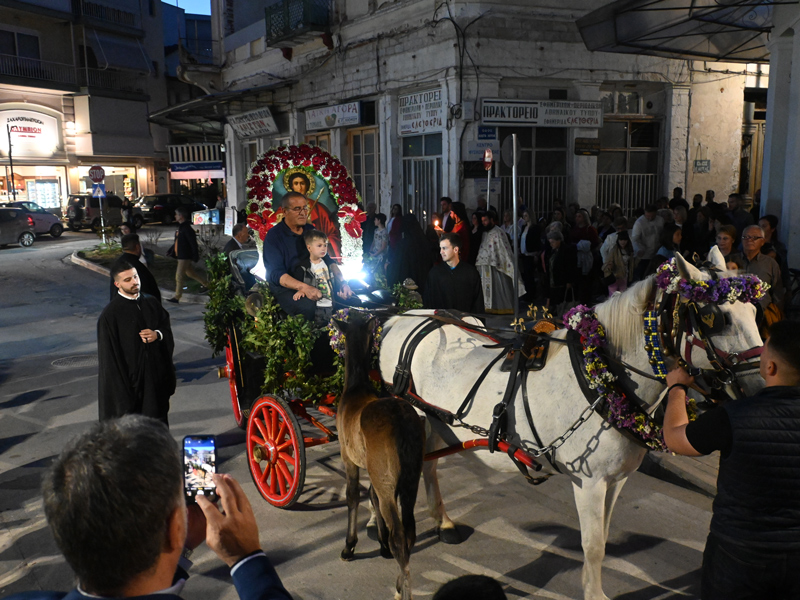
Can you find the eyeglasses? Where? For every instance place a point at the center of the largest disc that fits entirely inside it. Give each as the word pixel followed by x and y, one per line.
pixel 751 238
pixel 299 209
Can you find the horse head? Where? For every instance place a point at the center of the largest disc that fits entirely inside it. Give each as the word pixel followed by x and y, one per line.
pixel 716 332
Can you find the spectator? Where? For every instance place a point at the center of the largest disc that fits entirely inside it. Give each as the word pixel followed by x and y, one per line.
pixel 495 263
pixel 368 228
pixel 412 258
pixel 605 226
pixel 187 252
pixel 313 271
pixel 738 214
pixel 508 225
pixel 764 267
pixel 454 284
pixel 697 203
pixel 669 245
pixel 662 204
pixel 241 235
pixel 773 247
pixel 530 250
pixel 446 204
pixel 380 241
pixel 458 214
pixel 704 235
pixel 475 236
pixel 753 546
pixel 645 238
pixel 558 216
pixel 725 239
pixel 687 231
pixel 115 504
pixel 710 195
pixel 395 226
pixel 678 199
pixel 620 224
pixel 560 265
pixel 620 263
pixel 483 207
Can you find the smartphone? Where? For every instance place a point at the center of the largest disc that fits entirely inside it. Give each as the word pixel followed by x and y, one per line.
pixel 199 464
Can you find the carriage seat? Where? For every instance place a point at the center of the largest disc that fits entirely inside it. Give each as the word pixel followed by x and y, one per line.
pixel 241 263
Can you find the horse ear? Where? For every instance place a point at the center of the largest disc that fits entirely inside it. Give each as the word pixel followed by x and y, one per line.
pixel 716 259
pixel 340 325
pixel 686 269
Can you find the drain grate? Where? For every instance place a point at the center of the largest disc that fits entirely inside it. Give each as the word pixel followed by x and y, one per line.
pixel 71 362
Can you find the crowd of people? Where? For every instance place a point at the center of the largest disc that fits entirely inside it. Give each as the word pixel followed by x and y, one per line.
pixel 575 254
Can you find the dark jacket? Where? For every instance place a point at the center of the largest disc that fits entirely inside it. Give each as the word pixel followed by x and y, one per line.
pixel 187 243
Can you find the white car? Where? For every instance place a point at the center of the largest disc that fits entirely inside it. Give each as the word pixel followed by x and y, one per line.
pixel 43 220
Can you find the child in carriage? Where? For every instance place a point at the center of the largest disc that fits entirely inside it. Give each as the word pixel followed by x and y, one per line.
pixel 314 272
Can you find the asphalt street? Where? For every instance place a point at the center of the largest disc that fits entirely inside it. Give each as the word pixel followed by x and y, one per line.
pixel 527 537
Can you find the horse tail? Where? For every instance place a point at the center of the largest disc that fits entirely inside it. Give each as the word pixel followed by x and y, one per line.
pixel 410 442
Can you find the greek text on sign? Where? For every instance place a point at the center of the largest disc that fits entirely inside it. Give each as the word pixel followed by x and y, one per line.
pixel 340 115
pixel 254 123
pixel 32 133
pixel 422 112
pixel 544 113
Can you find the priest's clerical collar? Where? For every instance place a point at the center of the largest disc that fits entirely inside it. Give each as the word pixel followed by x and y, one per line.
pixel 127 297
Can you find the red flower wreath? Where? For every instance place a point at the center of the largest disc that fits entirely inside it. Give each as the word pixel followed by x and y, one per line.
pixel 312 159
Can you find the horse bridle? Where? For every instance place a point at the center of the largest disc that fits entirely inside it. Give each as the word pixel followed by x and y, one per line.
pixel 682 319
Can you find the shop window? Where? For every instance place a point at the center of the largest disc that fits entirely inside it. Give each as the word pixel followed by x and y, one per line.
pixel 321 140
pixel 249 156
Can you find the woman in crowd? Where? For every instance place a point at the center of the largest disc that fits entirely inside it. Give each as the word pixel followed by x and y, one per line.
pixel 560 265
pixel 670 241
pixel 530 249
pixel 413 259
pixel 380 242
pixel 726 236
pixel 508 224
pixel 458 213
pixel 620 263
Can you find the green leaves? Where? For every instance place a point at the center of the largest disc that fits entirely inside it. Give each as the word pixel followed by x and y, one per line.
pixel 223 307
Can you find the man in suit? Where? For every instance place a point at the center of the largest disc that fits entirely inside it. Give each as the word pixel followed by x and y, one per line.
pixel 115 504
pixel 131 255
pixel 241 235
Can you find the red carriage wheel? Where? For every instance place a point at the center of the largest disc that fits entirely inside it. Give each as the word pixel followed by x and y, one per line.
pixel 230 373
pixel 275 451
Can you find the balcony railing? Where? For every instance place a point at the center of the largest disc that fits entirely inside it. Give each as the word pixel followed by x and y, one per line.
pixel 121 81
pixel 105 13
pixel 42 70
pixel 630 191
pixel 537 193
pixel 296 20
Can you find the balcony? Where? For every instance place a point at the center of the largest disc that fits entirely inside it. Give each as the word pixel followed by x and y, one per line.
pixel 61 74
pixel 294 22
pixel 106 14
pixel 38 70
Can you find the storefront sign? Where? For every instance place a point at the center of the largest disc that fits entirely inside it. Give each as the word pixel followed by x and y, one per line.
pixel 340 115
pixel 587 146
pixel 421 113
pixel 541 113
pixel 254 123
pixel 487 133
pixel 32 133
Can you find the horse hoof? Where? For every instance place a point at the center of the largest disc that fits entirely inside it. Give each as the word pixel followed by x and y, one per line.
pixel 372 532
pixel 449 535
pixel 347 554
pixel 386 553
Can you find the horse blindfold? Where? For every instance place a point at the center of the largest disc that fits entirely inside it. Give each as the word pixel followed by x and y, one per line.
pixel 711 319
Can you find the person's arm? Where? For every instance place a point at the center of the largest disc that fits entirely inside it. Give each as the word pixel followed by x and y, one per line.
pixel 636 239
pixel 344 288
pixel 676 418
pixel 309 291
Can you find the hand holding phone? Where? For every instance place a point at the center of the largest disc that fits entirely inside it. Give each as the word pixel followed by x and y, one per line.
pixel 199 467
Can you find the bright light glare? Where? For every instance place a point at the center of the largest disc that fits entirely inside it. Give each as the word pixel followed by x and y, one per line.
pixel 352 269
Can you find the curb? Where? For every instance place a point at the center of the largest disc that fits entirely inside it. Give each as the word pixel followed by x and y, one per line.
pixel 87 264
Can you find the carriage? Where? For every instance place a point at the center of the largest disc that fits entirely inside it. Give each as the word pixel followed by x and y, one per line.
pixel 586 410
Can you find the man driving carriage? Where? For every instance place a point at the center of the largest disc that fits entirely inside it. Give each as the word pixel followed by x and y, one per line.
pixel 284 250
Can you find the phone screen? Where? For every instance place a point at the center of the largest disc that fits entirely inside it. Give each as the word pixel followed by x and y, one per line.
pixel 199 464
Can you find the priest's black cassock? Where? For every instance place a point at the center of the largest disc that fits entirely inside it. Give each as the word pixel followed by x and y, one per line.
pixel 454 289
pixel 146 279
pixel 134 378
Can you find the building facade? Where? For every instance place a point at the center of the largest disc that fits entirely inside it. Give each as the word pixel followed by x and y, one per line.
pixel 77 81
pixel 410 93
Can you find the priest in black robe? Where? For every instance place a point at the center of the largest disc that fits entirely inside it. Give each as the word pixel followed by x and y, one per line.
pixel 132 255
pixel 454 284
pixel 135 345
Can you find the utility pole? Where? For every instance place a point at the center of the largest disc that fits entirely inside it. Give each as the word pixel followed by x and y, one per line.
pixel 11 163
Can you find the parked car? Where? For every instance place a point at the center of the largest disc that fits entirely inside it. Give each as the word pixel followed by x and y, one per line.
pixel 161 207
pixel 16 227
pixel 83 210
pixel 43 220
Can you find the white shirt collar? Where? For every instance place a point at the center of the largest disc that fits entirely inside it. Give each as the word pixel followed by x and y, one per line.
pixel 124 295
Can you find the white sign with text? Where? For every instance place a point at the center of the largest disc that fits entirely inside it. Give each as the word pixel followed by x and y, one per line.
pixel 542 113
pixel 420 113
pixel 32 133
pixel 254 123
pixel 340 115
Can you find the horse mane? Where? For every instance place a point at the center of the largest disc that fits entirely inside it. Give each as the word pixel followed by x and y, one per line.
pixel 621 315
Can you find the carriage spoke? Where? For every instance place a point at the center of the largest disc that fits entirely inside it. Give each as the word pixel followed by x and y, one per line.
pixel 288 459
pixel 274 429
pixel 257 440
pixel 282 431
pixel 260 425
pixel 281 466
pixel 282 478
pixel 273 481
pixel 265 474
pixel 284 446
pixel 266 417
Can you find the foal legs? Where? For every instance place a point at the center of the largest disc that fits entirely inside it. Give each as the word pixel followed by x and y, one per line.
pixel 383 531
pixel 351 472
pixel 446 529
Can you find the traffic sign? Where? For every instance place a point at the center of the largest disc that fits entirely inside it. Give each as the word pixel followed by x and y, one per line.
pixel 99 190
pixel 97 174
pixel 487 159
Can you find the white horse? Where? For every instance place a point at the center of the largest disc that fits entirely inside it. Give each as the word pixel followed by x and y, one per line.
pixel 596 457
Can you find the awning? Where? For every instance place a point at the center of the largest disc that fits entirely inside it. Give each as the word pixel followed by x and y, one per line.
pixel 208 174
pixel 724 30
pixel 118 52
pixel 207 115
